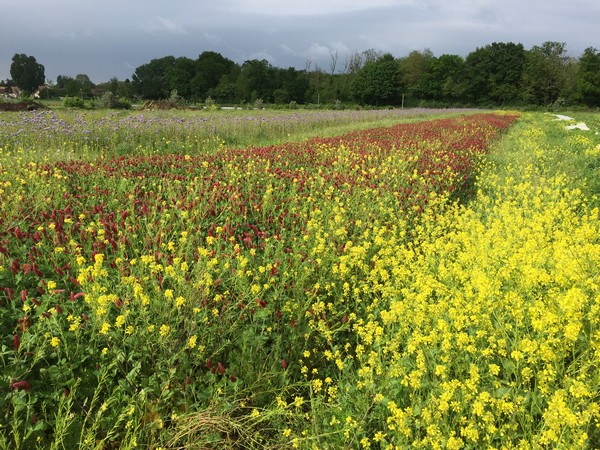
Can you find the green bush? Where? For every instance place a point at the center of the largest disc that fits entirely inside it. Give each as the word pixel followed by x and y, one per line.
pixel 73 102
pixel 111 101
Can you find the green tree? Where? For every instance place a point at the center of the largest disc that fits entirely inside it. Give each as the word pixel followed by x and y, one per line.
pixel 81 86
pixel 181 75
pixel 113 85
pixel 66 85
pixel 341 87
pixel 353 64
pixel 84 85
pixel 27 73
pixel 289 85
pixel 547 73
pixel 118 88
pixel 378 82
pixel 256 81
pixel 588 80
pixel 315 90
pixel 153 80
pixel 494 73
pixel 295 83
pixel 210 68
pixel 125 89
pixel 412 70
pixel 226 91
pixel 443 79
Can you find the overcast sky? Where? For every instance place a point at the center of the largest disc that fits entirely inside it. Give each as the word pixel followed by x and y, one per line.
pixel 113 37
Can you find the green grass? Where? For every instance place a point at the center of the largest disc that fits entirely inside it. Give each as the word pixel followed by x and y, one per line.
pixel 573 153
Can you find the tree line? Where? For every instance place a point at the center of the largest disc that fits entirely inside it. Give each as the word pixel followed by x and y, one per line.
pixel 498 74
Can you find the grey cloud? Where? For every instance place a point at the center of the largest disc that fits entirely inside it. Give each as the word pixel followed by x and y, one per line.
pixel 162 25
pixel 113 38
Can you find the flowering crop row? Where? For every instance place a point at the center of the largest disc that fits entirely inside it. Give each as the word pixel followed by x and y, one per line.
pixel 41 135
pixel 138 291
pixel 487 331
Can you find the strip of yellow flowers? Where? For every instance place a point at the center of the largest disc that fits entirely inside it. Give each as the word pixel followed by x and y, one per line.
pixel 489 337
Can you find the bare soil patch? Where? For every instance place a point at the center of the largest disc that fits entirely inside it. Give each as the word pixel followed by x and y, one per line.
pixel 21 106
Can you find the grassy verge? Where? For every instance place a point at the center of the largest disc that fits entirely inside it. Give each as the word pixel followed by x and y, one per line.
pixel 542 143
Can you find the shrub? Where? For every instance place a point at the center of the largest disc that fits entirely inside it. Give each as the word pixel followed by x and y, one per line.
pixel 259 103
pixel 73 102
pixel 110 100
pixel 210 104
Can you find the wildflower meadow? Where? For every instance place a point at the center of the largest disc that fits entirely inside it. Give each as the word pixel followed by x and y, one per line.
pixel 431 283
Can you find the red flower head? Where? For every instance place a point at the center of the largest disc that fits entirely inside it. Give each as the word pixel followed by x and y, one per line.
pixel 21 386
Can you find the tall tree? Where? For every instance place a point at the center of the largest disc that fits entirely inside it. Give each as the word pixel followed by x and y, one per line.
pixel 113 85
pixel 210 68
pixel 67 85
pixel 413 68
pixel 378 82
pixel 588 80
pixel 294 84
pixel 80 86
pixel 546 73
pixel 226 91
pixel 494 73
pixel 125 89
pixel 180 76
pixel 315 83
pixel 256 81
pixel 27 73
pixel 153 80
pixel 354 63
pixel 333 54
pixel 443 79
pixel 85 85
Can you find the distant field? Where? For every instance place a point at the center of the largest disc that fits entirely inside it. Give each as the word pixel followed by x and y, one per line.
pixel 66 134
pixel 299 280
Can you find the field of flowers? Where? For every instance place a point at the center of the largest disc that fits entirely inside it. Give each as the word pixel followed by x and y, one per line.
pixel 394 287
pixel 58 135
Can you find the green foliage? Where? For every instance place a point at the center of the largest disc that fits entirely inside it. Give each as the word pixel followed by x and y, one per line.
pixel 413 69
pixel 111 101
pixel 80 86
pixel 256 80
pixel 73 102
pixel 547 73
pixel 152 80
pixel 443 80
pixel 378 82
pixel 27 73
pixel 211 70
pixel 175 98
pixel 210 104
pixel 180 75
pixel 588 81
pixel 493 73
pixel 270 298
pixel 498 74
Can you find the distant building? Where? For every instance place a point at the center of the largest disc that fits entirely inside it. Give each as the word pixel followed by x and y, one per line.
pixel 10 92
pixel 36 94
